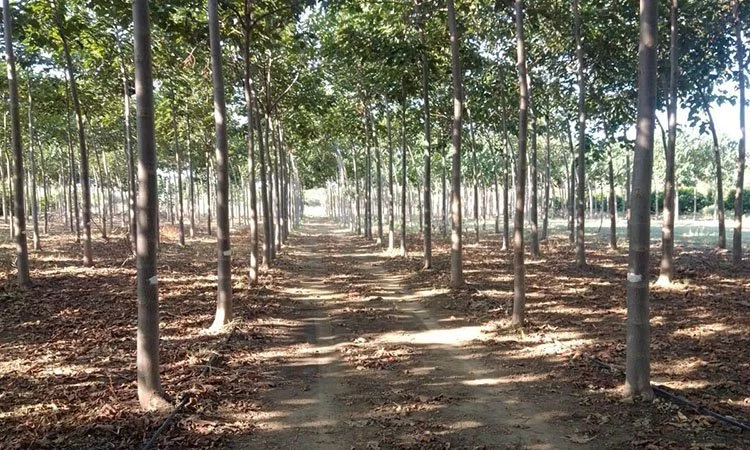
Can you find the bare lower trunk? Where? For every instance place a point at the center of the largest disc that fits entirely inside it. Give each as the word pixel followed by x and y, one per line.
pixel 637 381
pixel 519 268
pixel 580 235
pixel 19 221
pixel 150 393
pixel 457 274
pixel 224 310
pixel 740 182
pixel 722 242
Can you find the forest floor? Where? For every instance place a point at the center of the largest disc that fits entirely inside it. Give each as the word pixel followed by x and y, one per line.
pixel 345 346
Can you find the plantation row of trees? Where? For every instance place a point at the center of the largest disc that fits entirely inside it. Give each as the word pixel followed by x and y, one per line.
pixel 371 96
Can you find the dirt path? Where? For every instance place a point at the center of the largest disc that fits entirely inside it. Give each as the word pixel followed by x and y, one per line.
pixel 362 363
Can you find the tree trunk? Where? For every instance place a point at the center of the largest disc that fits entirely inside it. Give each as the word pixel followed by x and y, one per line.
pixel 263 190
pixel 19 222
pixel 249 104
pixel 368 176
pixel 208 190
pixel 191 178
pixel 475 173
pixel 357 197
pixel 719 185
pixel 740 181
pixel 506 170
pixel 534 175
pixel 572 188
pixel 85 185
pixel 427 187
pixel 667 270
pixel 580 235
pixel 224 292
pixel 37 245
pixel 128 149
pixel 612 201
pixel 457 274
pixel 391 222
pixel 547 180
pixel 637 381
pixel 178 162
pixel 519 269
pixel 403 171
pixel 150 393
pixel 100 195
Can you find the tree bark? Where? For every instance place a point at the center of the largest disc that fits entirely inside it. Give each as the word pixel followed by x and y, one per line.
pixel 224 308
pixel 547 180
pixel 85 184
pixel 475 173
pixel 150 392
pixel 249 104
pixel 519 269
pixel 580 235
pixel 128 148
pixel 719 204
pixel 427 187
pixel 403 171
pixel 19 221
pixel 612 201
pixel 740 181
pixel 637 381
pixel 506 170
pixel 457 274
pixel 178 162
pixel 37 245
pixel 191 175
pixel 391 224
pixel 534 175
pixel 263 191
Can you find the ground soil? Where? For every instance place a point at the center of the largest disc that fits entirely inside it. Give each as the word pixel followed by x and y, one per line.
pixel 343 345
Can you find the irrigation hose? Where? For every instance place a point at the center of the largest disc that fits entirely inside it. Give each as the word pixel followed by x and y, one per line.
pixel 663 392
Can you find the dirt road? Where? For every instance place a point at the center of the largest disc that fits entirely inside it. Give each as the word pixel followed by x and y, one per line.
pixel 361 362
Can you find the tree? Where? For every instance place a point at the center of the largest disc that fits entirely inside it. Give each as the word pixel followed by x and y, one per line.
pixel 19 220
pixel 427 188
pixel 457 274
pixel 150 392
pixel 637 379
pixel 740 182
pixel 667 232
pixel 519 269
pixel 224 292
pixel 581 164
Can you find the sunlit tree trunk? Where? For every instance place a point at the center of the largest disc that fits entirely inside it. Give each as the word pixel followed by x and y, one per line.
pixel 637 381
pixel 534 175
pixel 391 222
pixel 547 179
pixel 178 162
pixel 224 308
pixel 505 244
pixel 719 200
pixel 475 173
pixel 403 170
pixel 263 190
pixel 740 181
pixel 427 183
pixel 150 393
pixel 191 175
pixel 19 221
pixel 457 273
pixel 519 269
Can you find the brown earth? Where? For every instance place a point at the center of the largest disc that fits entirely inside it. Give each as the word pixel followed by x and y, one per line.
pixel 344 346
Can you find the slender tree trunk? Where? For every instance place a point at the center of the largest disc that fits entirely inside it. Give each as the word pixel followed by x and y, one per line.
pixel 88 259
pixel 191 178
pixel 128 148
pixel 506 168
pixel 719 185
pixel 378 184
pixel 208 191
pixel 101 194
pixel 572 188
pixel 150 392
pixel 403 171
pixel 667 270
pixel 263 192
pixel 612 201
pixel 368 176
pixel 637 381
pixel 427 183
pixel 580 235
pixel 276 188
pixel 357 197
pixel 519 269
pixel 19 222
pixel 534 175
pixel 37 244
pixel 627 190
pixel 72 161
pixel 740 182
pixel 457 273
pixel 475 173
pixel 11 181
pixel 391 223
pixel 249 103
pixel 224 308
pixel 178 162
pixel 547 179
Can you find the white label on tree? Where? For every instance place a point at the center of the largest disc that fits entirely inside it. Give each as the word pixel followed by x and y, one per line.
pixel 634 277
pixel 227 252
pixel 153 280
